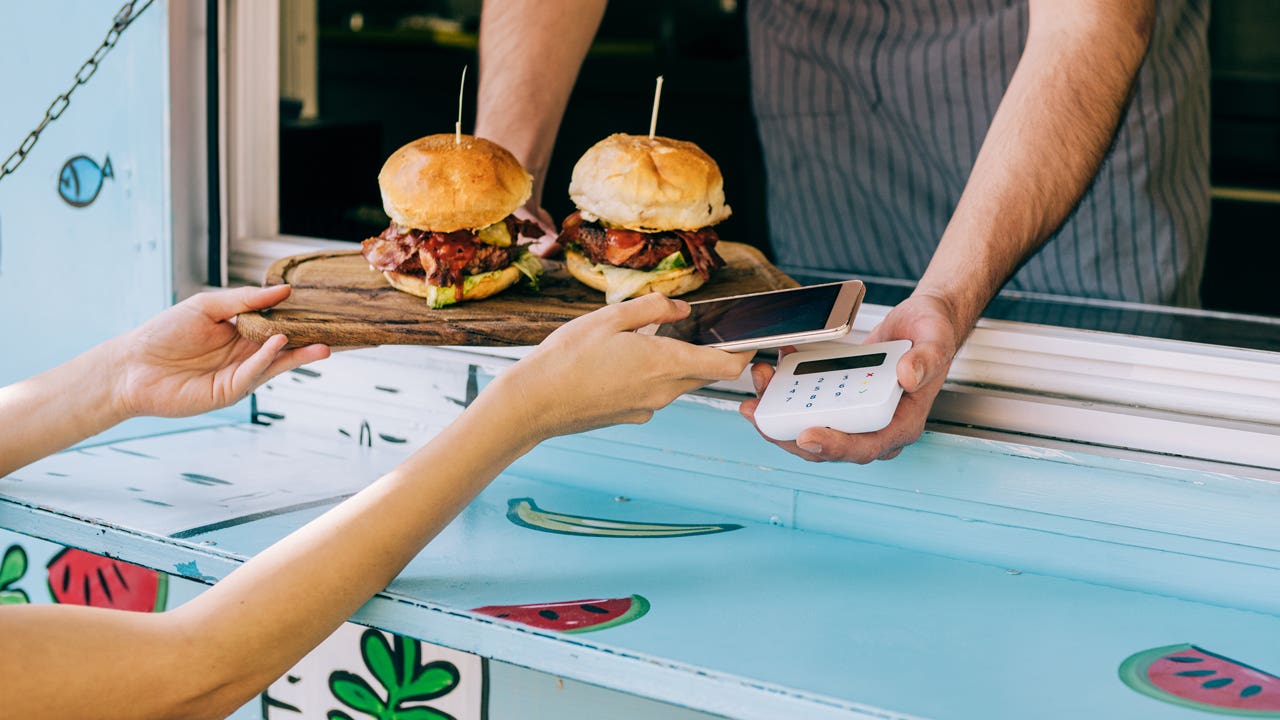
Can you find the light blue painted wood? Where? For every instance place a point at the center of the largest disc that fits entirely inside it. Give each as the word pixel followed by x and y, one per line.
pixel 112 258
pixel 174 483
pixel 150 426
pixel 772 621
pixel 517 692
pixel 963 497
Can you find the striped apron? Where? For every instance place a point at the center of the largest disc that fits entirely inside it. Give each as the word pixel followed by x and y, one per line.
pixel 871 114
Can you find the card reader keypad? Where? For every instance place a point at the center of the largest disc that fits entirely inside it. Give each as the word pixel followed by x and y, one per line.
pixel 828 389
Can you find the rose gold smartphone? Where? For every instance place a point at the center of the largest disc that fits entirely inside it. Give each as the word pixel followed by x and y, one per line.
pixel 769 319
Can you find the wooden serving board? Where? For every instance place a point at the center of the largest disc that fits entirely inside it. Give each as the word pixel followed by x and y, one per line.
pixel 338 300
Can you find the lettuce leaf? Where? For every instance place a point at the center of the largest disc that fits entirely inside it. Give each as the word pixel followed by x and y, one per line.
pixel 438 297
pixel 674 261
pixel 624 282
pixel 529 265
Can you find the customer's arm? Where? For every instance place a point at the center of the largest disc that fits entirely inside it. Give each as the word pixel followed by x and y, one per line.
pixel 185 361
pixel 209 656
pixel 1049 136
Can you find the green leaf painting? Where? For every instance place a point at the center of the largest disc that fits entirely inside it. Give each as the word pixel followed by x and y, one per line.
pixel 433 680
pixel 377 657
pixel 356 694
pixel 12 568
pixel 398 669
pixel 421 712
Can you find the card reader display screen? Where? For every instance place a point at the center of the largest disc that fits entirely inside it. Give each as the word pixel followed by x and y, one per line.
pixel 756 316
pixel 855 362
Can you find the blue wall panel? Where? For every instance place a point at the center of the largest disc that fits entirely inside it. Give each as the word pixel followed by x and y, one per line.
pixel 71 276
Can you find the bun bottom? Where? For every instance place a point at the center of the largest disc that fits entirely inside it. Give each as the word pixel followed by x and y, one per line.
pixel 476 287
pixel 669 282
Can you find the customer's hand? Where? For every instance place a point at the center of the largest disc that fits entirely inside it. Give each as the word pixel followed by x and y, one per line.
pixel 595 371
pixel 190 359
pixel 928 323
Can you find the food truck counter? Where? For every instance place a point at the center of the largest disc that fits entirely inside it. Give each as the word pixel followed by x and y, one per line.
pixel 687 562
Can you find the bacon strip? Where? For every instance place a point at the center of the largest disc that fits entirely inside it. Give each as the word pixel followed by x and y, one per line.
pixel 701 248
pixel 526 228
pixel 392 249
pixel 622 245
pixel 642 251
pixel 444 258
pixel 569 228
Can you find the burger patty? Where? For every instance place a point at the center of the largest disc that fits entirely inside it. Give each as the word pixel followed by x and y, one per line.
pixel 440 258
pixel 642 251
pixel 642 255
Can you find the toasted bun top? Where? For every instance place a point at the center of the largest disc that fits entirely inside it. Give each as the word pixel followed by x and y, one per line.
pixel 437 184
pixel 646 184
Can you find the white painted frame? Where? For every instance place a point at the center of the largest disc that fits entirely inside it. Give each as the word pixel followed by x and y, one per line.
pixel 1176 399
pixel 188 140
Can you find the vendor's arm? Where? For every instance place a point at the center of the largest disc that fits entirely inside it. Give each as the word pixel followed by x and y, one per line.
pixel 1046 142
pixel 530 54
pixel 209 656
pixel 185 361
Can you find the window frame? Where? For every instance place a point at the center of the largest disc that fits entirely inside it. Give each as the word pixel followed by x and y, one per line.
pixel 1128 393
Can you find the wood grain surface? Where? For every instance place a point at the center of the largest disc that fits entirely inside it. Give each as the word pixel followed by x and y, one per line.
pixel 339 301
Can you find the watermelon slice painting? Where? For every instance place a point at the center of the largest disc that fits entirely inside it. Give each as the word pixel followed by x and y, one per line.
pixel 77 577
pixel 1193 677
pixel 572 616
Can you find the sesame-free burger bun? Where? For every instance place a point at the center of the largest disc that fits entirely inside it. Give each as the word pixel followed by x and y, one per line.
pixel 644 184
pixel 671 283
pixel 489 284
pixel 438 184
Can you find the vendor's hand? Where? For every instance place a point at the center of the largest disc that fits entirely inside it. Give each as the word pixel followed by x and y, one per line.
pixel 190 359
pixel 928 323
pixel 547 245
pixel 595 371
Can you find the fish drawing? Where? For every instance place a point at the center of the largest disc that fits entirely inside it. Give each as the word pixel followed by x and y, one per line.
pixel 81 179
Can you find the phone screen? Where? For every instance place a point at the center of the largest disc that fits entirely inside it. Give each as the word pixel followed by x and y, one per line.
pixel 756 316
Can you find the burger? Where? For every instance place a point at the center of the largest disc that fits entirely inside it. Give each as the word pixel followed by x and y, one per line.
pixel 645 211
pixel 452 235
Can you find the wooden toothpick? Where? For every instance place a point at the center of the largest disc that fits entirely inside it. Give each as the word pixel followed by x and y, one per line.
pixel 657 97
pixel 457 127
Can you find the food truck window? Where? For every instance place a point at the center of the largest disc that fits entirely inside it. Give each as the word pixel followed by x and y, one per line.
pixel 315 93
pixel 321 91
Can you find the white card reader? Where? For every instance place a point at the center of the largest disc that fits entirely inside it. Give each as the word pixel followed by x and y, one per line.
pixel 852 388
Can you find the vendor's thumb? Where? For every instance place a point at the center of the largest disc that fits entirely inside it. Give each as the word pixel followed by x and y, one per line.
pixel 921 364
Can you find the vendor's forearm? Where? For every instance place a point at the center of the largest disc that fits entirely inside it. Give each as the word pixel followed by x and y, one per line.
pixel 530 54
pixel 1045 144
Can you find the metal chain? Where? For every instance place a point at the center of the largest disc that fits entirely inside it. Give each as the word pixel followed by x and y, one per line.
pixel 123 19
